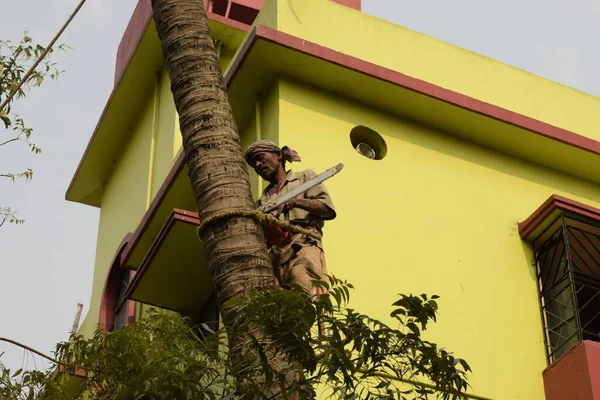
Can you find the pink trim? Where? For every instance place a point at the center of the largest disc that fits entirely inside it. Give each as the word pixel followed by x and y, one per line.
pixel 240 26
pixel 132 37
pixel 112 285
pixel 255 4
pixel 177 214
pixel 350 3
pixel 556 203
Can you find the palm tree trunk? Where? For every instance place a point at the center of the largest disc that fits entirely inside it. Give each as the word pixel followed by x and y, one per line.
pixel 235 248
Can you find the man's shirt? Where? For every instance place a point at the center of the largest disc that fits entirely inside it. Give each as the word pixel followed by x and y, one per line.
pixel 299 216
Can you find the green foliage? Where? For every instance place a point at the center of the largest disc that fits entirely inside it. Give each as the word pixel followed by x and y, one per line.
pixel 349 354
pixel 30 385
pixel 283 346
pixel 15 60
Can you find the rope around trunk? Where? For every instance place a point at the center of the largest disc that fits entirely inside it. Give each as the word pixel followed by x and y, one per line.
pixel 261 218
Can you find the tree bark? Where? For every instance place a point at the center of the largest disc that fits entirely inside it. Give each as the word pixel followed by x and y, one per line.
pixel 236 250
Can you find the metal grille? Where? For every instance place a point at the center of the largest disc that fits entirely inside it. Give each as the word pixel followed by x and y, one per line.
pixel 568 262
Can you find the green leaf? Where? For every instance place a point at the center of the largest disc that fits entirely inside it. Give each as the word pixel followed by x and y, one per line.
pixel 6 120
pixel 413 327
pixel 207 328
pixel 382 384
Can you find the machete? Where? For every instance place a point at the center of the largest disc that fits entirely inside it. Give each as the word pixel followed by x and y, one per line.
pixel 275 202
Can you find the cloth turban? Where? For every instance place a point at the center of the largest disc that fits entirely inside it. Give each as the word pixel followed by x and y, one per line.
pixel 267 146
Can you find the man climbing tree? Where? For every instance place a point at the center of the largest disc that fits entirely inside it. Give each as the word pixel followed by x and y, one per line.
pixel 298 258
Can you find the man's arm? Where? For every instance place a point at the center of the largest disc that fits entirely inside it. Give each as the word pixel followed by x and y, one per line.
pixel 315 207
pixel 316 200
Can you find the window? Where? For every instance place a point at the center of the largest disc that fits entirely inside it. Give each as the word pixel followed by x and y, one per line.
pixel 567 255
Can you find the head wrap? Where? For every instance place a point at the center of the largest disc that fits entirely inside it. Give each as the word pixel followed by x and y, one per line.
pixel 267 146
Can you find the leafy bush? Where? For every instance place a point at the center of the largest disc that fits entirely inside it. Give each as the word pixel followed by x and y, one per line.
pixel 284 346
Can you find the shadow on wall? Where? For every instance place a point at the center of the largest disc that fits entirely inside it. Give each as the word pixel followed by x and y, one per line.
pixel 529 256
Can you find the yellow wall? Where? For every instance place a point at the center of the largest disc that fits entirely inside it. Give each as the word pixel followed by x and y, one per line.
pixel 438 215
pixel 123 205
pixel 166 133
pixel 414 54
pixel 269 114
pixel 265 127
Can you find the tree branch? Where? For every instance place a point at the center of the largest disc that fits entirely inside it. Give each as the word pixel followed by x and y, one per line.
pixel 8 141
pixel 24 346
pixel 41 57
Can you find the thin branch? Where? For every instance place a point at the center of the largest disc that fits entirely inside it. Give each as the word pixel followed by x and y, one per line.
pixel 24 346
pixel 41 57
pixel 8 141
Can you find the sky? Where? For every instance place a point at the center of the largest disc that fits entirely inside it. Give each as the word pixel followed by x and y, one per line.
pixel 46 265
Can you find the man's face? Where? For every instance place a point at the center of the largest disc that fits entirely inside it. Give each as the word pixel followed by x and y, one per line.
pixel 266 164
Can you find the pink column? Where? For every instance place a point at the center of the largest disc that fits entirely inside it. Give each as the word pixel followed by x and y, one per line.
pixel 576 375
